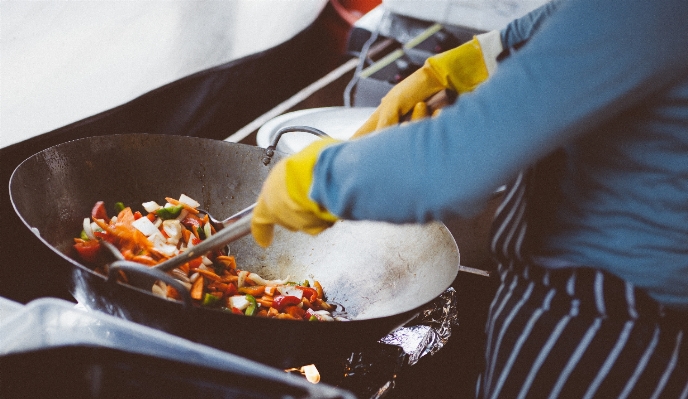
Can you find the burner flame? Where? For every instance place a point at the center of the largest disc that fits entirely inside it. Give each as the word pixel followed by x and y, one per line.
pixel 309 371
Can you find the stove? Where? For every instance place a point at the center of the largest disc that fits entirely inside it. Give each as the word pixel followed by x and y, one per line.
pixel 372 371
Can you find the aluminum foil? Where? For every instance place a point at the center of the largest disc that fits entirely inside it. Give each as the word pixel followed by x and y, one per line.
pixel 430 332
pixel 371 373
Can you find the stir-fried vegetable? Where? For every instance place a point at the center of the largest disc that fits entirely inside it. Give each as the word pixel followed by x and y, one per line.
pixel 213 279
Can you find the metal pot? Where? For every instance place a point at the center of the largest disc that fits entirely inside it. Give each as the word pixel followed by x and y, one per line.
pixel 381 273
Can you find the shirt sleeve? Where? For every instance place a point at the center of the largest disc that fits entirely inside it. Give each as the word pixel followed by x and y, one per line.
pixel 517 32
pixel 588 63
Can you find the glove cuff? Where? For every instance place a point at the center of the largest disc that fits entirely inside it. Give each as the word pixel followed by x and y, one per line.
pixel 301 165
pixel 491 46
pixel 462 69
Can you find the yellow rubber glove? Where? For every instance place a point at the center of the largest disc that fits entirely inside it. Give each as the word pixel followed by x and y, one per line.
pixel 461 69
pixel 284 197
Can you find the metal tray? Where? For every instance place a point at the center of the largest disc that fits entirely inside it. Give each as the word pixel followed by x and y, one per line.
pixel 50 345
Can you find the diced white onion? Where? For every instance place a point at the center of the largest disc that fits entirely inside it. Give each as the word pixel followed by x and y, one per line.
pixel 322 315
pixel 242 278
pixel 238 301
pixel 180 275
pixel 160 243
pixel 157 239
pixel 157 223
pixel 290 290
pixel 184 199
pixel 206 261
pixel 182 214
pixel 145 226
pixel 257 279
pixel 173 229
pixel 95 227
pixel 160 289
pixel 87 229
pixel 261 281
pixel 166 249
pixel 114 219
pixel 150 206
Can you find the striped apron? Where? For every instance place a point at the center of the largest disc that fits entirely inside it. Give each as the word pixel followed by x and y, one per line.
pixel 574 332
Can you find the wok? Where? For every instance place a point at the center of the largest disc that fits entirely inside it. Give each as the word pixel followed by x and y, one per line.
pixel 382 274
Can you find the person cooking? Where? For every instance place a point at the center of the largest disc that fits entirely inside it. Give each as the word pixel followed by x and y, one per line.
pixel 581 107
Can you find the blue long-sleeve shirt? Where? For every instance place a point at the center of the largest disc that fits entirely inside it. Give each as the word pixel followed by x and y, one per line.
pixel 605 84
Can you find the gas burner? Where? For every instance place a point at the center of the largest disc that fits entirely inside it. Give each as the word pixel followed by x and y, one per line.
pixel 371 371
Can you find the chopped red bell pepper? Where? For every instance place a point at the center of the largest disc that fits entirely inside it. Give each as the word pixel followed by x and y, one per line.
pixel 192 221
pixel 195 263
pixel 99 212
pixel 88 250
pixel 103 235
pixel 282 301
pixel 237 311
pixel 137 215
pixel 231 290
pixel 310 293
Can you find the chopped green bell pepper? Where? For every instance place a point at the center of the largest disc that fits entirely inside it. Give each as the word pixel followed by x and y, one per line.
pixel 210 299
pixel 119 207
pixel 169 212
pixel 252 305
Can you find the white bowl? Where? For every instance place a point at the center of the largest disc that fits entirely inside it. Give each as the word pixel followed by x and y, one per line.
pixel 338 122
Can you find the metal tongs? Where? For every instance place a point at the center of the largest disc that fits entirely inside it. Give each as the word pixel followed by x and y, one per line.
pixel 228 230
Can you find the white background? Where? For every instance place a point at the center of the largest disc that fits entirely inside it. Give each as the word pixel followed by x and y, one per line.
pixel 62 61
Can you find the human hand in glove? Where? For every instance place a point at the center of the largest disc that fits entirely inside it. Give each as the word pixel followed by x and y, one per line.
pixel 284 198
pixel 461 69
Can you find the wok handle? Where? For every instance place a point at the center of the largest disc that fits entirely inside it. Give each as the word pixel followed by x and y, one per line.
pixel 270 150
pixel 137 268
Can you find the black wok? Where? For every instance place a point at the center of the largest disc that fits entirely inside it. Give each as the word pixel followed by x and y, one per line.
pixel 382 274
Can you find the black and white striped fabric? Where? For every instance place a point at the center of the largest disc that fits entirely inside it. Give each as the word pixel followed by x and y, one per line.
pixel 575 332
